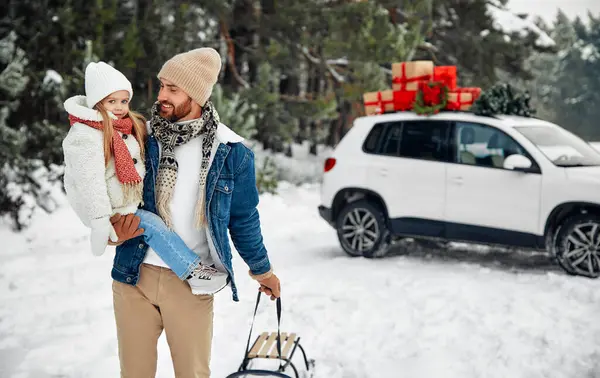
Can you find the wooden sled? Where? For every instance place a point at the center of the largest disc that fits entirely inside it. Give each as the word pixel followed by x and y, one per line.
pixel 271 345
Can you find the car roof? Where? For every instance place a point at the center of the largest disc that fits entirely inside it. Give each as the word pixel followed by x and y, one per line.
pixel 500 120
pixel 516 121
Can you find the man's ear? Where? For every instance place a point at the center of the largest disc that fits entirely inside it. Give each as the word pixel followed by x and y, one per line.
pixel 196 108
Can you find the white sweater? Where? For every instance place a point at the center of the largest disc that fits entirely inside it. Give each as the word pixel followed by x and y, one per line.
pixel 189 158
pixel 93 189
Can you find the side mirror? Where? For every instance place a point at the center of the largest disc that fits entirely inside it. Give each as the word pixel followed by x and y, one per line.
pixel 517 163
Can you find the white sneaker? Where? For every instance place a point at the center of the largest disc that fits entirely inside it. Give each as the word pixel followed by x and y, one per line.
pixel 207 280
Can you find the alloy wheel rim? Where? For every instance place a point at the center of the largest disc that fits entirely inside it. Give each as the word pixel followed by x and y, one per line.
pixel 582 249
pixel 360 230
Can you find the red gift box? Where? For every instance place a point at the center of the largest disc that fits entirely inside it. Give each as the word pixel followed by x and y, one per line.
pixel 446 75
pixel 404 100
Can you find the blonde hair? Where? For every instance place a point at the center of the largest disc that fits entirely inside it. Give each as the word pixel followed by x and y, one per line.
pixel 139 131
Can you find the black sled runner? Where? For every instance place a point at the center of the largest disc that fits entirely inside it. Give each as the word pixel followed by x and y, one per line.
pixel 275 346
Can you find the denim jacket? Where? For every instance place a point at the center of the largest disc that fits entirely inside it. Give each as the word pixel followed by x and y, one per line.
pixel 231 201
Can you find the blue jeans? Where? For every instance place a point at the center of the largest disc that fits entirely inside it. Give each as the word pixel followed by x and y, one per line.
pixel 167 244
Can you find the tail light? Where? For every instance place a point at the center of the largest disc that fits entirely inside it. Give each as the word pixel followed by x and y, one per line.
pixel 329 163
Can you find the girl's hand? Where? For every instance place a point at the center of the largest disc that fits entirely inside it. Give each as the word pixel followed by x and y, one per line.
pixel 126 227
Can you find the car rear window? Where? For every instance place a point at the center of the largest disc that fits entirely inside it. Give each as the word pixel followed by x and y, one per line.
pixel 372 141
pixel 426 140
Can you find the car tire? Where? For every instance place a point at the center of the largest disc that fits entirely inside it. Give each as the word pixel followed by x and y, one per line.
pixel 577 245
pixel 554 251
pixel 362 230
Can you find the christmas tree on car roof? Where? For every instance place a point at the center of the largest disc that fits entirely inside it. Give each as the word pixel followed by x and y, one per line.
pixel 503 98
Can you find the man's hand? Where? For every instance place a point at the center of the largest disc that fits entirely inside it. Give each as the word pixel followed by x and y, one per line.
pixel 271 286
pixel 126 227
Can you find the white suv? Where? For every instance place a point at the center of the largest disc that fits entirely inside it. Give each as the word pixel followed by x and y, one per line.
pixel 456 176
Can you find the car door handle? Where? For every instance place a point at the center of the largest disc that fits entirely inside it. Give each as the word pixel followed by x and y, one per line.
pixel 457 180
pixel 383 171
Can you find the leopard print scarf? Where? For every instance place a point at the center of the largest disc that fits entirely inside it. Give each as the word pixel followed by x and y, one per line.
pixel 171 135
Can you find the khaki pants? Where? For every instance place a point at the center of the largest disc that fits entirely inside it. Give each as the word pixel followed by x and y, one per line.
pixel 162 301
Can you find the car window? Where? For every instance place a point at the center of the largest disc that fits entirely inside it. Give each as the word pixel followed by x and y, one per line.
pixel 561 147
pixel 483 146
pixel 426 140
pixel 372 142
pixel 384 139
pixel 412 139
pixel 390 143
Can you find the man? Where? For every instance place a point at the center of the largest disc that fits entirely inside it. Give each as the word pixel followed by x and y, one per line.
pixel 200 179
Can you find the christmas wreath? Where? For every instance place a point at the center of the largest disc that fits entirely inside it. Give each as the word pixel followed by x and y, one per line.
pixel 432 97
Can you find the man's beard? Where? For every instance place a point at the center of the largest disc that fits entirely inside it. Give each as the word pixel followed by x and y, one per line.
pixel 178 111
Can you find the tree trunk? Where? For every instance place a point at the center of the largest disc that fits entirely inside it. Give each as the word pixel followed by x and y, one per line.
pixel 332 134
pixel 240 33
pixel 341 123
pixel 302 130
pixel 313 138
pixel 318 88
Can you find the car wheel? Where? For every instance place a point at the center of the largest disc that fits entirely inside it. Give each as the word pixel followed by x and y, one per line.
pixel 554 250
pixel 577 245
pixel 362 230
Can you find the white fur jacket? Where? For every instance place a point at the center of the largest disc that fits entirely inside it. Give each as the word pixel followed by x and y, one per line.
pixel 93 189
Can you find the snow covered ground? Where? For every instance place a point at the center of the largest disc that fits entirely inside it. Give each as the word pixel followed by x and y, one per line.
pixel 450 313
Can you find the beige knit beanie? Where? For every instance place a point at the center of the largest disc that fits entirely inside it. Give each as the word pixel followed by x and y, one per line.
pixel 195 72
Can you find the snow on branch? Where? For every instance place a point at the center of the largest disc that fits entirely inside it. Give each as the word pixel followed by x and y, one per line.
pixel 588 52
pixel 338 62
pixel 313 59
pixel 509 22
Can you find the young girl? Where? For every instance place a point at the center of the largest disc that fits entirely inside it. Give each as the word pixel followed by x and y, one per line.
pixel 104 170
